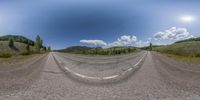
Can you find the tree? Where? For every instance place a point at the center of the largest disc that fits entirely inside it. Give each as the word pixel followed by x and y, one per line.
pixel 37 43
pixel 11 43
pixel 45 48
pixel 129 50
pixel 28 48
pixel 49 48
pixel 41 43
pixel 150 46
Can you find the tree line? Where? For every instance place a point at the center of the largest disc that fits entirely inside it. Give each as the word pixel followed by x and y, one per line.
pixel 98 50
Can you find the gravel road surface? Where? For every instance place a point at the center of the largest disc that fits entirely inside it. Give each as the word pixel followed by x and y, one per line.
pixel 158 78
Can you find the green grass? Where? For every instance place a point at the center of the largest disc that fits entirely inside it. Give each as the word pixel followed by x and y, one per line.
pixel 5 55
pixel 188 49
pixel 194 60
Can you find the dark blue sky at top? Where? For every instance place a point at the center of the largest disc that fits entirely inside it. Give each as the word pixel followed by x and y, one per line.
pixel 63 23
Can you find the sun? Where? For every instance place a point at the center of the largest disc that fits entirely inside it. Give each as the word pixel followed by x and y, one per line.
pixel 187 19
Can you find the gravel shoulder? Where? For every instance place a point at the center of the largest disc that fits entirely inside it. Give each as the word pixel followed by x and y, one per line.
pixel 8 64
pixel 178 74
pixel 20 76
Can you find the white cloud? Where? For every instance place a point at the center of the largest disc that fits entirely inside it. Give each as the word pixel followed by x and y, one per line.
pixel 125 40
pixel 149 39
pixel 142 43
pixel 165 37
pixel 173 34
pixel 94 42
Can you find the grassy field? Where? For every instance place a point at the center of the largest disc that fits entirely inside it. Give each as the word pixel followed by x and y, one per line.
pixel 186 59
pixel 187 49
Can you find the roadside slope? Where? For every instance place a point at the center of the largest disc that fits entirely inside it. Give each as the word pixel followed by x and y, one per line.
pixel 19 47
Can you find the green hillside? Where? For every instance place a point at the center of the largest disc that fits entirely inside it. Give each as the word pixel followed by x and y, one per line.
pixel 184 48
pixel 19 45
pixel 76 49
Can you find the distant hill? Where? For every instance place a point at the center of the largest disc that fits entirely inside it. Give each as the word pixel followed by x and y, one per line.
pixel 153 46
pixel 17 38
pixel 76 49
pixel 98 50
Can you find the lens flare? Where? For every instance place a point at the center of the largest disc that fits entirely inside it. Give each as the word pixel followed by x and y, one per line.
pixel 187 18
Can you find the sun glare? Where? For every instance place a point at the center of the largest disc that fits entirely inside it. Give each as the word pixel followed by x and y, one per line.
pixel 187 18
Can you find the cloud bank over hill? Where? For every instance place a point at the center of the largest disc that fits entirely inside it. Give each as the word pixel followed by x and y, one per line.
pixel 171 35
pixel 94 42
pixel 125 40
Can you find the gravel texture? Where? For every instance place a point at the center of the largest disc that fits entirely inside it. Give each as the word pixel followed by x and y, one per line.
pixel 157 79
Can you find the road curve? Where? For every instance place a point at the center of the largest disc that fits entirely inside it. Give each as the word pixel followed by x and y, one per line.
pixel 157 79
pixel 101 70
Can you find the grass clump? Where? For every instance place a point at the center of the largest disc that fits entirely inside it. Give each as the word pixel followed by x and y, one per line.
pixel 5 55
pixel 24 53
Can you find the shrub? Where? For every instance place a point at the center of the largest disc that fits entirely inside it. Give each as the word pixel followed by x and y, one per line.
pixel 5 55
pixel 197 55
pixel 25 53
pixel 11 43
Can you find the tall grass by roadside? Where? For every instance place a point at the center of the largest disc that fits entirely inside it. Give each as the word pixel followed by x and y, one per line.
pixel 5 55
pixel 189 49
pixel 186 59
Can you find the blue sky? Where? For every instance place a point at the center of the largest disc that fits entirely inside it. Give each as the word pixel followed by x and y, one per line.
pixel 63 23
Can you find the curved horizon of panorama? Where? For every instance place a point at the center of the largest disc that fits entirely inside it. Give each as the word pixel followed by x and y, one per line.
pixel 99 50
